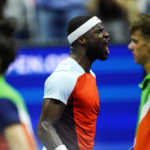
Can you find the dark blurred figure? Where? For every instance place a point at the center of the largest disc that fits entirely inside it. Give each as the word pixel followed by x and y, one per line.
pixel 114 17
pixel 130 7
pixel 53 17
pixel 25 14
pixel 110 10
pixel 2 3
pixel 15 125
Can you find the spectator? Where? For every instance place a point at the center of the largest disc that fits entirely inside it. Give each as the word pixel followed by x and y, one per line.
pixel 54 15
pixel 115 18
pixel 131 8
pixel 2 3
pixel 15 126
pixel 25 14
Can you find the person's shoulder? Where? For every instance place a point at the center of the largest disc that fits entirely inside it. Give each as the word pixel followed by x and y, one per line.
pixel 60 77
pixel 8 112
pixel 10 93
pixel 66 70
pixel 6 103
pixel 60 84
pixel 66 65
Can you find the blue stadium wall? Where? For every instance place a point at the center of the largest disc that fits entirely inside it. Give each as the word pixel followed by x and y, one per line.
pixel 117 80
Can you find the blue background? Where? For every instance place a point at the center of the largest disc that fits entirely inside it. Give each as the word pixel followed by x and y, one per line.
pixel 117 80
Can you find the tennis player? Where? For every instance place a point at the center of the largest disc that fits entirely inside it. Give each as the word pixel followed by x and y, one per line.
pixel 71 100
pixel 140 47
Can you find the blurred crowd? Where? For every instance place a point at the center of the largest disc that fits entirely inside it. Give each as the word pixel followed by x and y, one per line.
pixel 45 21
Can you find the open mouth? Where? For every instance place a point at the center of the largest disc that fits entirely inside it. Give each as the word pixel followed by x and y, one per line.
pixel 106 47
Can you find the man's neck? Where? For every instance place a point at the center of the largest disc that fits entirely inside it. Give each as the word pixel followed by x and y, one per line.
pixel 147 68
pixel 82 60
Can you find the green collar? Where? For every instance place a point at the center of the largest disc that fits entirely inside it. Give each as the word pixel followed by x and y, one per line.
pixel 147 77
pixel 2 78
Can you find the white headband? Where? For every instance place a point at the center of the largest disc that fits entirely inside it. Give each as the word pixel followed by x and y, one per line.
pixel 83 29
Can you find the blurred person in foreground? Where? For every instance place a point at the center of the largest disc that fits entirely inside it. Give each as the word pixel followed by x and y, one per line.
pixel 140 47
pixel 71 101
pixel 15 126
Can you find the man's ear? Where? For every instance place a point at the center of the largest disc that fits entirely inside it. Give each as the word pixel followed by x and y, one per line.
pixel 82 40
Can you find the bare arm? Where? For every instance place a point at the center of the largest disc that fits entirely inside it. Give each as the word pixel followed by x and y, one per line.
pixel 16 138
pixel 50 115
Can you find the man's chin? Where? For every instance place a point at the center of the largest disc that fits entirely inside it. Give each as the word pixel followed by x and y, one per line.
pixel 104 58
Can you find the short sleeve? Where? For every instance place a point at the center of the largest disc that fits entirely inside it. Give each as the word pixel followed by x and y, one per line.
pixel 8 113
pixel 59 86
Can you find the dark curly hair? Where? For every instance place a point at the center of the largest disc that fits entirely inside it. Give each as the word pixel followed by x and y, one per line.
pixel 141 23
pixel 7 43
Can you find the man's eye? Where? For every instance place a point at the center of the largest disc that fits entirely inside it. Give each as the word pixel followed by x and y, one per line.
pixel 135 41
pixel 100 30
